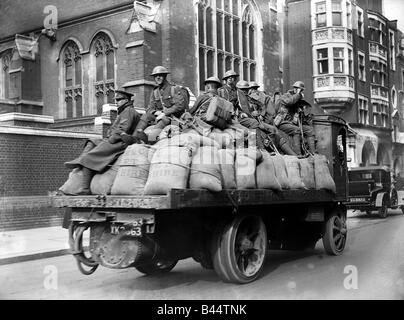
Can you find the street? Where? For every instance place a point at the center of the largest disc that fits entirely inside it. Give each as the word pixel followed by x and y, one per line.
pixel 374 253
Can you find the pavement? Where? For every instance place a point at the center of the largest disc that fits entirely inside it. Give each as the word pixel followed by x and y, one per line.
pixel 32 244
pixel 41 243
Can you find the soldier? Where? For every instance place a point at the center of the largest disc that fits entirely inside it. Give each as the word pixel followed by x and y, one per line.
pixel 253 116
pixel 166 100
pixel 229 89
pixel 287 118
pixel 201 105
pixel 98 154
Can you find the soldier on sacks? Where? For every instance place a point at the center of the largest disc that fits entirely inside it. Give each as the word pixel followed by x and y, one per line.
pixel 166 100
pixel 100 153
pixel 201 105
pixel 287 119
pixel 253 116
pixel 229 90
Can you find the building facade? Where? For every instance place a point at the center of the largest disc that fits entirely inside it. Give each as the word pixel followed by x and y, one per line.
pixel 63 86
pixel 349 58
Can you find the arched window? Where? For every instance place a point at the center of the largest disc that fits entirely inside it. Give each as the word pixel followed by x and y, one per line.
pixel 5 59
pixel 227 36
pixel 72 84
pixel 104 70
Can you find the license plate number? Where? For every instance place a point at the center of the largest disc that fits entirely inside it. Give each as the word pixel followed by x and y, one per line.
pixel 133 229
pixel 357 200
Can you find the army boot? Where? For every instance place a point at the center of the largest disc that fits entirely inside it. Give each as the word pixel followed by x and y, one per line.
pixel 76 162
pixel 286 149
pixel 87 176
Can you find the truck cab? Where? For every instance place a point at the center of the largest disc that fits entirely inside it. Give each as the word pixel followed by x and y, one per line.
pixel 371 188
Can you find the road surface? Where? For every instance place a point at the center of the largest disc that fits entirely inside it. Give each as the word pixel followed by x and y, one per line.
pixel 372 267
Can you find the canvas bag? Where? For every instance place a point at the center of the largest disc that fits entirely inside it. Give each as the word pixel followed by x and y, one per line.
pixel 307 172
pixel 322 174
pixel 265 175
pixel 226 159
pixel 280 171
pixel 293 169
pixel 245 168
pixel 169 169
pixel 219 112
pixel 205 170
pixel 133 171
pixel 102 182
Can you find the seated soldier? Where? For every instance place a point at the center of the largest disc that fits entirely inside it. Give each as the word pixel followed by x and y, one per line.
pixel 287 118
pixel 253 115
pixel 166 100
pixel 98 154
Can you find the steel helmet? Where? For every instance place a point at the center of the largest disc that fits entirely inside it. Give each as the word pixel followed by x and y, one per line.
pixel 298 84
pixel 230 73
pixel 213 80
pixel 242 84
pixel 159 70
pixel 253 84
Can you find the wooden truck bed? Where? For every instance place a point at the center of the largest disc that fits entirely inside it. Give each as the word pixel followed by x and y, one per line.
pixel 188 198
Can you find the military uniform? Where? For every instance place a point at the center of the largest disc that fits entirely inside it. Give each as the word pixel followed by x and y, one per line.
pixel 107 150
pixel 170 99
pixel 289 106
pixel 261 121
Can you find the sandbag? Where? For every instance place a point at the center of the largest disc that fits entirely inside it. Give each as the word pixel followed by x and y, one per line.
pixel 280 171
pixel 133 171
pixel 293 169
pixel 102 182
pixel 265 175
pixel 226 160
pixel 223 138
pixel 169 169
pixel 322 174
pixel 73 183
pixel 169 131
pixel 237 136
pixel 205 170
pixel 307 172
pixel 245 168
pixel 187 139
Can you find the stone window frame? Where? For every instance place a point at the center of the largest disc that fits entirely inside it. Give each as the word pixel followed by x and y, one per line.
pixel 392 49
pixel 70 54
pixel 5 62
pixel 102 88
pixel 335 11
pixel 363 110
pixel 361 67
pixel 219 48
pixel 361 22
pixel 319 13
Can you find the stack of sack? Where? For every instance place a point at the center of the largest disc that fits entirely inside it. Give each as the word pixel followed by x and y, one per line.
pixel 190 160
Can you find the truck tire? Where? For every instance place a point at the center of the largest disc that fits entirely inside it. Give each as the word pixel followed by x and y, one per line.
pixel 383 210
pixel 156 268
pixel 335 233
pixel 402 209
pixel 239 249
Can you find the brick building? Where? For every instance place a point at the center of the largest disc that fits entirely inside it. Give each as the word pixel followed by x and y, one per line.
pixel 50 105
pixel 350 57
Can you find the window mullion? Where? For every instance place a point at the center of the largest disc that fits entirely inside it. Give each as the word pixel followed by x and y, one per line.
pixel 214 29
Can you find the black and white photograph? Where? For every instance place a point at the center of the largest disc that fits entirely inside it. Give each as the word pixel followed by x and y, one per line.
pixel 201 154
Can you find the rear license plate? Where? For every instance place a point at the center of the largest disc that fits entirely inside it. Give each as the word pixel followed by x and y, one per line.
pixel 133 229
pixel 357 199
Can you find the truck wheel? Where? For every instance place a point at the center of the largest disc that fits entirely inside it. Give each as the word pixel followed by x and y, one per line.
pixel 239 249
pixel 402 209
pixel 156 268
pixel 383 210
pixel 335 234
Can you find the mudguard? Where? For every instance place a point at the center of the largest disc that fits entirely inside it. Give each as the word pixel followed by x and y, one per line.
pixel 379 199
pixel 400 196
